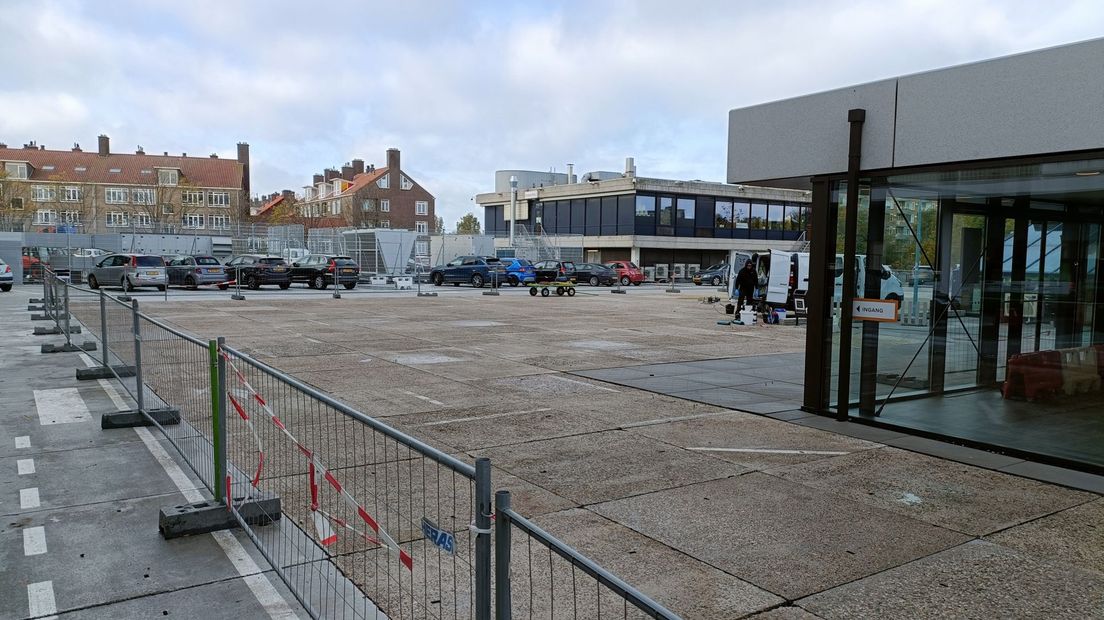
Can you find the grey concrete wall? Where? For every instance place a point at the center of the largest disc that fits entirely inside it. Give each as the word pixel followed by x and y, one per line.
pixel 1045 101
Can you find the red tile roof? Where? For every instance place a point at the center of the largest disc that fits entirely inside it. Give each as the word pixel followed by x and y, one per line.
pixel 196 171
pixel 363 179
pixel 268 205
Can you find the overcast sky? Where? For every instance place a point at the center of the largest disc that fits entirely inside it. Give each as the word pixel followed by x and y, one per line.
pixel 466 88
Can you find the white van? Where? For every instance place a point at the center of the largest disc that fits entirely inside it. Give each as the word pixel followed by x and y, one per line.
pixel 891 285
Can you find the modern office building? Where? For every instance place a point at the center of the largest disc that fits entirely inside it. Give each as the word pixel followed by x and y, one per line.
pixel 622 216
pixel 983 185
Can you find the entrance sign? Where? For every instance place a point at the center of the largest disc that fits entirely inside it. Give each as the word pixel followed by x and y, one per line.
pixel 884 310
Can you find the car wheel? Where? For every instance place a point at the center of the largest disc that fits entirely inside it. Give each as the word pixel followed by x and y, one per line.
pixel 477 281
pixel 127 286
pixel 190 282
pixel 513 281
pixel 594 280
pixel 162 288
pixel 5 287
pixel 223 287
pixel 349 285
pixel 624 280
pixel 319 282
pixel 252 283
pixel 285 286
pixel 532 291
pixel 92 283
pixel 716 281
pixel 544 292
pixel 438 279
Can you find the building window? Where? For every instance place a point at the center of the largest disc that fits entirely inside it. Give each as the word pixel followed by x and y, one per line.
pixel 45 217
pixel 384 182
pixel 422 228
pixel 72 194
pixel 166 209
pixel 15 171
pixel 168 177
pixel 218 199
pixel 16 204
pixel 142 196
pixel 792 219
pixel 115 170
pixel 368 205
pixel 741 214
pixel 117 219
pixel 219 222
pixel 758 216
pixel 43 193
pixel 80 169
pixel 421 207
pixel 192 220
pixel 73 218
pixel 421 248
pixel 405 183
pixel 191 197
pixel 116 195
pixel 385 206
pixel 385 223
pixel 723 215
pixel 335 207
pixel 143 220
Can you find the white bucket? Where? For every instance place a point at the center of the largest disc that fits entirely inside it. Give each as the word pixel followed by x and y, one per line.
pixel 747 317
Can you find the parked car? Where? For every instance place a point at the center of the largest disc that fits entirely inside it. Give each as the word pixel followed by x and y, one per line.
pixel 629 272
pixel 317 271
pixel 192 271
pixel 919 275
pixel 89 253
pixel 519 271
pixel 129 271
pixel 555 271
pixel 7 278
pixel 714 275
pixel 595 274
pixel 256 270
pixel 478 270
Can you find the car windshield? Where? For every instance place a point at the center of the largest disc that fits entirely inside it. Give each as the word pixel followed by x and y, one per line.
pixel 149 261
pixel 521 262
pixel 275 260
pixel 207 260
pixel 491 259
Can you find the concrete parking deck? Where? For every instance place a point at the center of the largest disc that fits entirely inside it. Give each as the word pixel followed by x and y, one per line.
pixel 79 504
pixel 710 508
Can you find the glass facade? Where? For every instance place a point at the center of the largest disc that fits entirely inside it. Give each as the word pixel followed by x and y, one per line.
pixel 996 273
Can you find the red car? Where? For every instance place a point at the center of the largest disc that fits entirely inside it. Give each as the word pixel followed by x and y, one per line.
pixel 628 272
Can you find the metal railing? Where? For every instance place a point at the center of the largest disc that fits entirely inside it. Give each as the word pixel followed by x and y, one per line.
pixel 372 523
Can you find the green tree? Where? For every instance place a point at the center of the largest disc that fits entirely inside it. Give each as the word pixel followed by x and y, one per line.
pixel 468 225
pixel 439 225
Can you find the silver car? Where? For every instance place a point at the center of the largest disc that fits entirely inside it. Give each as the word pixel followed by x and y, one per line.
pixel 193 271
pixel 129 271
pixel 6 276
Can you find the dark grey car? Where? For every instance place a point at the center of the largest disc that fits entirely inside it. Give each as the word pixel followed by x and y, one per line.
pixel 192 271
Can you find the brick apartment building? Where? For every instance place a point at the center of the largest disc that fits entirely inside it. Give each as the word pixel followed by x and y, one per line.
pixel 102 192
pixel 364 197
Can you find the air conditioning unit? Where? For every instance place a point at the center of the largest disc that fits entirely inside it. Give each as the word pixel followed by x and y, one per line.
pixel 662 273
pixel 679 271
pixel 650 274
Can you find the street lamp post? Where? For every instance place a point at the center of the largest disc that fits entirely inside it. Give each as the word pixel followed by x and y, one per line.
pixel 513 207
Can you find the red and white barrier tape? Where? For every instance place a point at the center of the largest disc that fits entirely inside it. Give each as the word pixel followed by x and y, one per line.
pixel 317 472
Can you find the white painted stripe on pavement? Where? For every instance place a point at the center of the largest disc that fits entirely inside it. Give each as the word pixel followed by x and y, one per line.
pixel 770 451
pixel 22 442
pixel 425 398
pixel 28 498
pixel 34 541
pixel 112 393
pixel 258 583
pixel 40 598
pixel 483 417
pixel 590 385
pixel 25 466
pixel 680 418
pixel 61 406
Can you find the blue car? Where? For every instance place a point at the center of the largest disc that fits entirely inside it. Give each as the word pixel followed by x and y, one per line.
pixel 519 271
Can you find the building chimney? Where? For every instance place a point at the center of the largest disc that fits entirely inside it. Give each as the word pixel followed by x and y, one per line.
pixel 347 172
pixel 42 147
pixel 3 145
pixel 287 194
pixel 105 145
pixel 393 161
pixel 317 179
pixel 76 148
pixel 139 150
pixel 30 145
pixel 214 155
pixel 243 159
pixel 183 154
pixel 329 174
pixel 630 167
pixel 358 167
pixel 166 153
pixel 571 173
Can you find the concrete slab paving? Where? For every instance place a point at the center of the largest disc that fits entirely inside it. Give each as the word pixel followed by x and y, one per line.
pixel 952 495
pixel 468 429
pixel 789 539
pixel 1068 536
pixel 975 580
pixel 788 612
pixel 602 466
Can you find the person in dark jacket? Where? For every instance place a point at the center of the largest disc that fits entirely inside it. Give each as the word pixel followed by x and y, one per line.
pixel 746 280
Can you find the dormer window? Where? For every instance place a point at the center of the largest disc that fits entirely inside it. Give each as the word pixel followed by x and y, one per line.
pixel 80 169
pixel 384 182
pixel 48 167
pixel 116 170
pixel 168 176
pixel 15 170
pixel 405 183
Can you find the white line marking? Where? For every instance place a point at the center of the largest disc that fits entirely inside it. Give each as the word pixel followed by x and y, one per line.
pixel 61 406
pixel 22 442
pixel 308 339
pixel 483 417
pixel 425 398
pixel 34 541
pixel 40 598
pixel 112 393
pixel 681 418
pixel 589 385
pixel 25 466
pixel 770 451
pixel 28 498
pixel 258 583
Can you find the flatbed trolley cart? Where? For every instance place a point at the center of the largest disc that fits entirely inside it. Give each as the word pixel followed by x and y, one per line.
pixel 562 288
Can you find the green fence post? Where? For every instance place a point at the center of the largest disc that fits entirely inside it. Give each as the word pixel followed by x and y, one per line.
pixel 217 420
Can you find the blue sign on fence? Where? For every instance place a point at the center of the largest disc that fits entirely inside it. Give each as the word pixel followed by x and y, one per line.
pixel 441 538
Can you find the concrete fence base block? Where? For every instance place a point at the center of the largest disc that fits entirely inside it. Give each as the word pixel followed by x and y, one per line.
pixel 36 308
pixel 41 317
pixel 68 348
pixel 35 300
pixel 237 297
pixel 211 516
pixel 491 292
pixel 132 418
pixel 618 291
pixel 103 372
pixel 427 294
pixel 53 331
